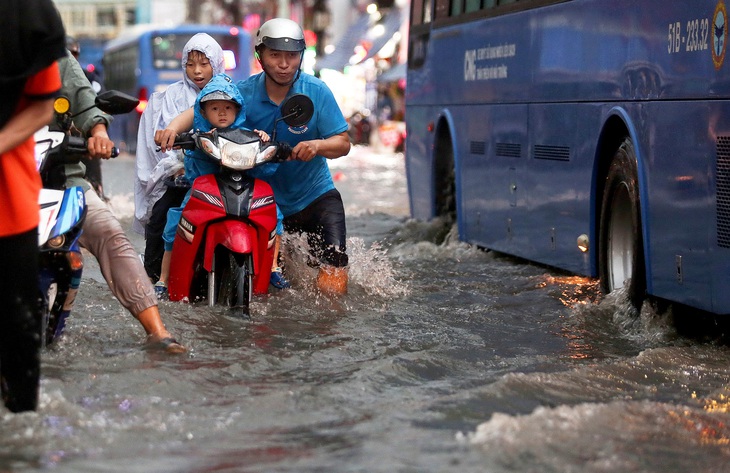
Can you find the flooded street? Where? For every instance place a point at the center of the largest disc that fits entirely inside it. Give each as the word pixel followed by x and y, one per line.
pixel 441 358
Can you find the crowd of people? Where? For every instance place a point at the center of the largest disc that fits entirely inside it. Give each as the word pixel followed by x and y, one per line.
pixel 40 65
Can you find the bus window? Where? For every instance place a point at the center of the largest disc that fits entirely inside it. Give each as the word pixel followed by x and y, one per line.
pixel 442 9
pixel 167 50
pixel 473 5
pixel 417 12
pixel 427 11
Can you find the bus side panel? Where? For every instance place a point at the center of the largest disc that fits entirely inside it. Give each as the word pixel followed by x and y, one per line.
pixel 560 168
pixel 492 141
pixel 719 130
pixel 686 261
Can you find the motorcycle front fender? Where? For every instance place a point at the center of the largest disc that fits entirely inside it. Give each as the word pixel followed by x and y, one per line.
pixel 237 236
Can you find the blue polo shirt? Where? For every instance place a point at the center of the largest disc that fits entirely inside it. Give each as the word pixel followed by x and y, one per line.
pixel 296 184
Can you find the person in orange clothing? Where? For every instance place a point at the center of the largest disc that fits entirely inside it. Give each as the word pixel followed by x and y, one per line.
pixel 33 39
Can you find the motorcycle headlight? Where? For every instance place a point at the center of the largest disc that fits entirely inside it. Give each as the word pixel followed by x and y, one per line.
pixel 57 241
pixel 238 156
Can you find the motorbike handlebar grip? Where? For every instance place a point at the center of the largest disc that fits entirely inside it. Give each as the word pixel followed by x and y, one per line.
pixel 185 141
pixel 76 145
pixel 283 152
pixel 115 152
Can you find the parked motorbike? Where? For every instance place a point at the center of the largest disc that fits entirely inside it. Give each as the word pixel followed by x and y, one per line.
pixel 224 246
pixel 62 210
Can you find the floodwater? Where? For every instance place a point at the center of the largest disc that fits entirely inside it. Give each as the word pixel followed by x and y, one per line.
pixel 442 358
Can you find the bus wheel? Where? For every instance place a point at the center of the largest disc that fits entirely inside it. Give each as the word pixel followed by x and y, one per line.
pixel 621 254
pixel 445 180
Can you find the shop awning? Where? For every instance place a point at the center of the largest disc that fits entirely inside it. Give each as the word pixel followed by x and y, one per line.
pixel 366 33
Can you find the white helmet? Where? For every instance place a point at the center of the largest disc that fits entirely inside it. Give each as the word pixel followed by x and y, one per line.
pixel 281 34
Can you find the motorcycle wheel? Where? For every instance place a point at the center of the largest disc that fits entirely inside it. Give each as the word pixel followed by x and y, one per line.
pixel 235 282
pixel 51 309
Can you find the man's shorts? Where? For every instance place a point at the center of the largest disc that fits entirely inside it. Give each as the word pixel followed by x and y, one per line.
pixel 324 223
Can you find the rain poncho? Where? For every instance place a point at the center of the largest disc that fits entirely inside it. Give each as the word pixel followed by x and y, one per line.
pixel 153 167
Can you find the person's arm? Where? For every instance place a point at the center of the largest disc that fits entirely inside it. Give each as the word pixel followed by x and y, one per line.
pixel 180 124
pixel 35 116
pixel 92 121
pixel 331 148
pixel 99 144
pixel 263 136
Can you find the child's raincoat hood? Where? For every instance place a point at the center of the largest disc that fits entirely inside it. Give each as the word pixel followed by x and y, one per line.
pixel 219 83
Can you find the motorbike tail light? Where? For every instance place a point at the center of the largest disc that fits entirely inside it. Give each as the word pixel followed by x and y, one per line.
pixel 75 260
pixel 57 241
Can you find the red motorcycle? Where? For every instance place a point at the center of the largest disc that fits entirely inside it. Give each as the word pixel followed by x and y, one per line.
pixel 224 246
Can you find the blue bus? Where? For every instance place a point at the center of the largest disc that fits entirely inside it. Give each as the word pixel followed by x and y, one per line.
pixel 591 136
pixel 148 58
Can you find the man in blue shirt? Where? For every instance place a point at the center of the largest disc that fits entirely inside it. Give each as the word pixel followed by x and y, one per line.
pixel 303 186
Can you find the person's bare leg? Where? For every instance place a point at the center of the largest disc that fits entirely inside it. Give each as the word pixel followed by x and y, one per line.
pixel 156 331
pixel 332 280
pixel 277 247
pixel 165 269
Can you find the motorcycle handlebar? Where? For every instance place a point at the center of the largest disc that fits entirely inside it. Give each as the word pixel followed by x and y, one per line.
pixel 75 145
pixel 185 141
pixel 188 140
pixel 282 153
pixel 75 148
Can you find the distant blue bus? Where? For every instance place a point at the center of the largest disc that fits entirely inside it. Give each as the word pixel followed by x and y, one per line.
pixel 148 58
pixel 587 135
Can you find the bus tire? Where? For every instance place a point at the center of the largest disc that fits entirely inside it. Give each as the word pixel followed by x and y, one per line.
pixel 445 180
pixel 621 253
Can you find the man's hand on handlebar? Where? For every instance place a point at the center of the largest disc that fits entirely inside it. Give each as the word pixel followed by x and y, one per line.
pixel 99 145
pixel 305 150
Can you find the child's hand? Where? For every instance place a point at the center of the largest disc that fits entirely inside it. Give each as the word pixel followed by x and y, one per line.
pixel 263 136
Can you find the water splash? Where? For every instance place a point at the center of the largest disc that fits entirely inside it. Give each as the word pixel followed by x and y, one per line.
pixel 371 271
pixel 649 326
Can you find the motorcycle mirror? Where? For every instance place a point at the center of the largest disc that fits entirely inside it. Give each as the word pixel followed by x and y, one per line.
pixel 297 110
pixel 114 102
